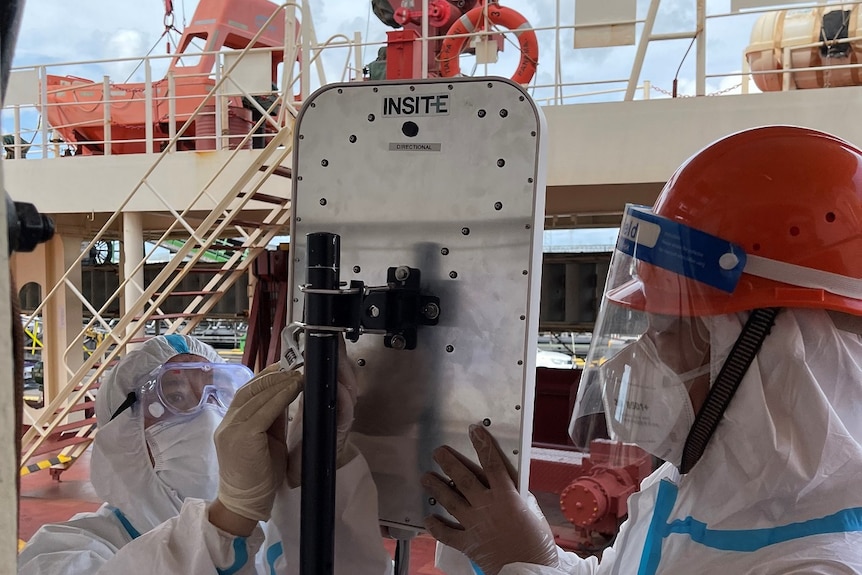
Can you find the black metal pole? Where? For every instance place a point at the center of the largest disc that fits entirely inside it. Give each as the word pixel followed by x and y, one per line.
pixel 402 557
pixel 317 523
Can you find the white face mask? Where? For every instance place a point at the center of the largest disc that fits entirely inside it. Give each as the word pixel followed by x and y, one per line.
pixel 647 403
pixel 184 454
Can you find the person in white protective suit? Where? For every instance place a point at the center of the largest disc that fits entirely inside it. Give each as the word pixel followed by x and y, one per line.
pixel 739 295
pixel 190 457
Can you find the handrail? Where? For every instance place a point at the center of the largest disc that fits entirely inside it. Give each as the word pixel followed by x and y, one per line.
pixel 110 348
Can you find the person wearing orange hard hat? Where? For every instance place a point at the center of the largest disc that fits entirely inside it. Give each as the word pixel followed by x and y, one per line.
pixel 728 345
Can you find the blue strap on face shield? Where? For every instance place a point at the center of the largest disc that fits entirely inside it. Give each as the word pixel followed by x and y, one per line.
pixel 177 342
pixel 739 540
pixel 686 251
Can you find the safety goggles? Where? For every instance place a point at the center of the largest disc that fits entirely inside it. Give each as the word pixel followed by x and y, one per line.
pixel 184 389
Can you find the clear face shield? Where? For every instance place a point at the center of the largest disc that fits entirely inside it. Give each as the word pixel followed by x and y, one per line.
pixel 182 390
pixel 648 365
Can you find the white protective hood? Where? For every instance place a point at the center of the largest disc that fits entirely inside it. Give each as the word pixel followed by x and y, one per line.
pixel 120 467
pixel 789 447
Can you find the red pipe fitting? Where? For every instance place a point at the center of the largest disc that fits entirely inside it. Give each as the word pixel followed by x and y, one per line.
pixel 439 15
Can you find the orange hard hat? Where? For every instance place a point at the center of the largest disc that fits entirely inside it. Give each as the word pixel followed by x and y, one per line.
pixel 782 193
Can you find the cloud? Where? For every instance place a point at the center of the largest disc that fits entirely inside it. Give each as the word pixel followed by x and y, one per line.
pixel 56 30
pixel 125 44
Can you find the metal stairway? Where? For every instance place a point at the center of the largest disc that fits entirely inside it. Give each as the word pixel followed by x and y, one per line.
pixel 244 219
pixel 60 430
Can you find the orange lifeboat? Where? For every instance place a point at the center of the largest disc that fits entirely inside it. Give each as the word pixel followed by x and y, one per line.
pixel 474 20
pixel 822 36
pixel 76 107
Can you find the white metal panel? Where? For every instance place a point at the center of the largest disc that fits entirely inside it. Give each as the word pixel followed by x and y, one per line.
pixel 252 73
pixel 737 5
pixel 605 35
pixel 646 140
pixel 85 184
pixel 602 23
pixel 592 12
pixel 23 88
pixel 462 200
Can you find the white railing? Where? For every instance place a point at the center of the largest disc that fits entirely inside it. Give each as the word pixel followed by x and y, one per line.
pixel 158 91
pixel 556 83
pixel 150 95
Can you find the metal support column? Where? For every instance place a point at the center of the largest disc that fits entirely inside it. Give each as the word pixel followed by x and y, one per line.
pixel 646 36
pixel 133 253
pixel 700 49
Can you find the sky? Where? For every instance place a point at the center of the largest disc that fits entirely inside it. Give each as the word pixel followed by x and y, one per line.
pixel 55 31
pixel 59 31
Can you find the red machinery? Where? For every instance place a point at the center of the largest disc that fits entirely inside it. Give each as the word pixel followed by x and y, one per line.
pixel 452 18
pixel 582 495
pixel 76 107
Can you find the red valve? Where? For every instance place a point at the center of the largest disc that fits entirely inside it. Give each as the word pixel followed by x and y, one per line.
pixel 584 502
pixel 439 15
pixel 597 500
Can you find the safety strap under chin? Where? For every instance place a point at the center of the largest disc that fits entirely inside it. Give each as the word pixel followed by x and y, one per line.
pixel 747 345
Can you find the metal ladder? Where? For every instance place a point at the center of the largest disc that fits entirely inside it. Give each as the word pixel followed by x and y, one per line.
pixel 59 431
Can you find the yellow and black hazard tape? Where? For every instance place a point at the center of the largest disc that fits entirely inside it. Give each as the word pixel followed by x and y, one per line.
pixel 45 464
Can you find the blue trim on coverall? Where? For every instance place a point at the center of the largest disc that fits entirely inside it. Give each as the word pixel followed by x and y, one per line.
pixel 127 525
pixel 275 551
pixel 240 551
pixel 740 540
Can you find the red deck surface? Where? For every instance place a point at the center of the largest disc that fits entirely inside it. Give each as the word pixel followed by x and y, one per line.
pixel 44 500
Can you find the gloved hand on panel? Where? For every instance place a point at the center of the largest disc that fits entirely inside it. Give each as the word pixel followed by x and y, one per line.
pixel 495 524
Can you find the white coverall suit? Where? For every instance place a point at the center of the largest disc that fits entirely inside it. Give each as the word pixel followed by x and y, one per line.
pixel 778 489
pixel 145 528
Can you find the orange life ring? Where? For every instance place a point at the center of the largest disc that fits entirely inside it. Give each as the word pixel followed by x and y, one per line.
pixel 501 16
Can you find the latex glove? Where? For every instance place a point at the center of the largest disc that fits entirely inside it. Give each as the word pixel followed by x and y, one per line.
pixel 345 406
pixel 250 442
pixel 495 524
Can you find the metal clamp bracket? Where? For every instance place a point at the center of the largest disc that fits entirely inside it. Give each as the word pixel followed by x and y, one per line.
pixel 394 310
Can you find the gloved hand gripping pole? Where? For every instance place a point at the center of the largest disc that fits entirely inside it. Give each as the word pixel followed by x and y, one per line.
pixel 317 524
